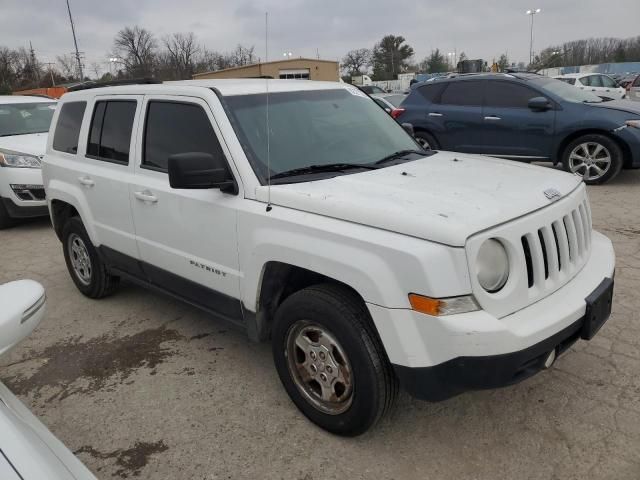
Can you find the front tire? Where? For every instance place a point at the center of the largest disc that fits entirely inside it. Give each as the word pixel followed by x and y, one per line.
pixel 85 266
pixel 426 141
pixel 331 361
pixel 594 157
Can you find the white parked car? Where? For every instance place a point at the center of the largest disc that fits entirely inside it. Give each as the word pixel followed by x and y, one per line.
pixel 28 450
pixel 598 83
pixel 366 261
pixel 24 123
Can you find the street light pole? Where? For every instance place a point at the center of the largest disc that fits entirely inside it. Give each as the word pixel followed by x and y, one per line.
pixel 531 13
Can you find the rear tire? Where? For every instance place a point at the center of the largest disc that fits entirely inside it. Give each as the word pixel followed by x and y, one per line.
pixel 331 361
pixel 427 141
pixel 85 266
pixel 594 157
pixel 5 220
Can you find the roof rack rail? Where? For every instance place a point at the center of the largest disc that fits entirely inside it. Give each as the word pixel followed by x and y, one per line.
pixel 113 83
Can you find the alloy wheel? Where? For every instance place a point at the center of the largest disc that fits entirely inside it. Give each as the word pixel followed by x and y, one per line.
pixel 590 160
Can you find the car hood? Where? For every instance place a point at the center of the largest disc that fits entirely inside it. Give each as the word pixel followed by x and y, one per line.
pixel 32 144
pixel 621 105
pixel 445 198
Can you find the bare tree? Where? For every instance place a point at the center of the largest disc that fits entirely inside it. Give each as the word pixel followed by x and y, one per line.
pixel 242 56
pixel 96 69
pixel 137 48
pixel 354 61
pixel 182 50
pixel 68 66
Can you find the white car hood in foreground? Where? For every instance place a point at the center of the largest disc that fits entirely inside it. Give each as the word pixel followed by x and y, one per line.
pixel 32 144
pixel 445 198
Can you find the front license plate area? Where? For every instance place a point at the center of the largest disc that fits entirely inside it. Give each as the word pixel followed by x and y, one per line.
pixel 598 308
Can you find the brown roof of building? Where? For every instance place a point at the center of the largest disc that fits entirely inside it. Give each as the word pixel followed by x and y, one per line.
pixel 285 60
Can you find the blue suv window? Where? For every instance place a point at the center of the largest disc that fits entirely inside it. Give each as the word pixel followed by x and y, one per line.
pixel 464 92
pixel 508 95
pixel 432 92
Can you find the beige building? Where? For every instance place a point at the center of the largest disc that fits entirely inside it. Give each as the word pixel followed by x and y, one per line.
pixel 298 68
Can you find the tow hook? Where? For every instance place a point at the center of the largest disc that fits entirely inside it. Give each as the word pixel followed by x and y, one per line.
pixel 550 360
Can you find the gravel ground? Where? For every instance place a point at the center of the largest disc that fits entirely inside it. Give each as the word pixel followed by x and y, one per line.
pixel 140 385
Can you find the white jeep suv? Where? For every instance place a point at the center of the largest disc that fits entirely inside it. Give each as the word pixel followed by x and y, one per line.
pixel 306 214
pixel 24 123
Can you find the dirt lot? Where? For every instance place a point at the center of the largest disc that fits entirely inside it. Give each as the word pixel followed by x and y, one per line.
pixel 140 385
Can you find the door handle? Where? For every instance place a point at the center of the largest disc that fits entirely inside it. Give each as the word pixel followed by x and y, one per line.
pixel 435 114
pixel 86 181
pixel 146 196
pixel 492 118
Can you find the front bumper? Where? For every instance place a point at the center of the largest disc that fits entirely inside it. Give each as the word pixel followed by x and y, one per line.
pixel 22 193
pixel 631 136
pixel 437 357
pixel 24 209
pixel 477 373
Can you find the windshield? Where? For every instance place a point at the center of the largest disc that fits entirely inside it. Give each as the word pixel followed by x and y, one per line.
pixel 315 127
pixel 565 91
pixel 24 118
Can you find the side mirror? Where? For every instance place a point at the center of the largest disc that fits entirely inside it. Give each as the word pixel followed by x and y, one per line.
pixel 22 310
pixel 199 170
pixel 539 103
pixel 409 128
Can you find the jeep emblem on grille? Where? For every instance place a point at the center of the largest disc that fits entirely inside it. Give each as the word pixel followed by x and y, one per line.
pixel 552 194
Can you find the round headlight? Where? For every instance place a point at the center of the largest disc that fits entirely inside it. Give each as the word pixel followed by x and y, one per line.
pixel 492 265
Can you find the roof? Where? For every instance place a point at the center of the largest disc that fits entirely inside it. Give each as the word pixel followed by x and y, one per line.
pixel 285 60
pixel 5 99
pixel 227 87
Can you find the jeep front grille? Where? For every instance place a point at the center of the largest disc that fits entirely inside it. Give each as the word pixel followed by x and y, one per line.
pixel 558 247
pixel 546 249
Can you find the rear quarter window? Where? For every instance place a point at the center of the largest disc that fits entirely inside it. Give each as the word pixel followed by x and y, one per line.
pixel 65 138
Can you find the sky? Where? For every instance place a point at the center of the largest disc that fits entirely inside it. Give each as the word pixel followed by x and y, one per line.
pixel 481 28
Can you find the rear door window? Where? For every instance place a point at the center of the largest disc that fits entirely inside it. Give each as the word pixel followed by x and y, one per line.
pixel 173 127
pixel 432 92
pixel 508 95
pixel 65 138
pixel 110 133
pixel 464 93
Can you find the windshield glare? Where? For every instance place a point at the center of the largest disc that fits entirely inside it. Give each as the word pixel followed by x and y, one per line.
pixel 316 127
pixel 565 91
pixel 25 118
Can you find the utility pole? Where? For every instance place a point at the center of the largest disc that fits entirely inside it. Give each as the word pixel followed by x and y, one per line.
pixel 75 43
pixel 53 80
pixel 32 60
pixel 531 13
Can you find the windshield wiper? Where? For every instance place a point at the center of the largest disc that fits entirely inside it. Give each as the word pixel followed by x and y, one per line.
pixel 330 167
pixel 399 154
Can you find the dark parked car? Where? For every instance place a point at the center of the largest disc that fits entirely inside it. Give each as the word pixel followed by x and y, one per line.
pixel 527 117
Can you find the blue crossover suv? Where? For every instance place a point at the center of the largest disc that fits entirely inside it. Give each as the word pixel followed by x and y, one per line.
pixel 527 117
